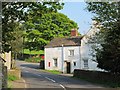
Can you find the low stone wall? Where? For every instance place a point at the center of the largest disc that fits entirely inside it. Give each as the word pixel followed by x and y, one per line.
pixel 15 72
pixel 0 74
pixel 97 76
pixel 4 77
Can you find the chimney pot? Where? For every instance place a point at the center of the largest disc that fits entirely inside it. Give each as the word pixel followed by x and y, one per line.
pixel 74 32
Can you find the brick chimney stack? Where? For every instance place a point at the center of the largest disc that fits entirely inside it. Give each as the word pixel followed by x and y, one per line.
pixel 74 32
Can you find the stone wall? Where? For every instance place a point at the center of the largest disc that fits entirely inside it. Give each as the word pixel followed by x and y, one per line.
pixel 97 76
pixel 4 77
pixel 0 74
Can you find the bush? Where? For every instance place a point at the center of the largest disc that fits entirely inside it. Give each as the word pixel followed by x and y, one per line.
pixel 34 59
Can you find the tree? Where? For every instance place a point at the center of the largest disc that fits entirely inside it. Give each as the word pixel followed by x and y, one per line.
pixel 17 42
pixel 108 14
pixel 17 11
pixel 41 29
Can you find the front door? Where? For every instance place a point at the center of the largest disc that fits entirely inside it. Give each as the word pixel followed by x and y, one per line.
pixel 68 67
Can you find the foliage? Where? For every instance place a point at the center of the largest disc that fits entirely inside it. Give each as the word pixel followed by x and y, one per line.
pixel 17 11
pixel 108 14
pixel 34 59
pixel 17 42
pixel 27 51
pixel 12 77
pixel 41 29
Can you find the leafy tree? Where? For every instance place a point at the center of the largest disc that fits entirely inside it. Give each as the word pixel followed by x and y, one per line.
pixel 108 14
pixel 17 42
pixel 17 11
pixel 41 29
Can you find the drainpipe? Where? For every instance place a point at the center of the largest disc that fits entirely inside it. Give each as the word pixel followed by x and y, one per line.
pixel 62 59
pixel 80 58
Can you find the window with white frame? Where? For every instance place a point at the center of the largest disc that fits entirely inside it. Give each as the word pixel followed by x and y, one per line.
pixel 71 52
pixel 74 63
pixel 86 63
pixel 55 62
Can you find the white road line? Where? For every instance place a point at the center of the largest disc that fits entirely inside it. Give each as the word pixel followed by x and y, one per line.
pixel 26 71
pixel 25 83
pixel 50 79
pixel 62 86
pixel 39 75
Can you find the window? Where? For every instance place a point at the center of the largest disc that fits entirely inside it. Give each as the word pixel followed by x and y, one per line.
pixel 71 52
pixel 55 62
pixel 74 63
pixel 48 64
pixel 85 63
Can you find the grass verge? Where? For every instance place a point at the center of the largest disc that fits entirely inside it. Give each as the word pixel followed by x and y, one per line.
pixel 52 71
pixel 10 79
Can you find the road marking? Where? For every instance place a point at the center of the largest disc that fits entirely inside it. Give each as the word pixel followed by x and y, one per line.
pixel 39 75
pixel 50 79
pixel 26 71
pixel 25 83
pixel 62 86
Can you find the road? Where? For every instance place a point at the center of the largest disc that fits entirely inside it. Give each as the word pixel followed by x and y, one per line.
pixel 36 78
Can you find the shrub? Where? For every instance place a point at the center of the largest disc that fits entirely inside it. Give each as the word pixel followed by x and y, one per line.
pixel 34 59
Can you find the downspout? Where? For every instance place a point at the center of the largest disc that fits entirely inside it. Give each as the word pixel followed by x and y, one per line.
pixel 62 67
pixel 80 55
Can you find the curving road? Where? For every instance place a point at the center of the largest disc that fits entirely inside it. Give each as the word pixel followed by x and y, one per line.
pixel 36 78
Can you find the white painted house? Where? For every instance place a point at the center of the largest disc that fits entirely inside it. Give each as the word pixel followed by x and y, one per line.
pixel 67 54
pixel 63 54
pixel 87 50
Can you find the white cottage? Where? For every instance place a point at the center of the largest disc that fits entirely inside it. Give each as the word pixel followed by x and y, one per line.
pixel 69 53
pixel 87 51
pixel 63 54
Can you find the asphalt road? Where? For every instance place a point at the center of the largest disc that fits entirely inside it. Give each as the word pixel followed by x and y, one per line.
pixel 36 78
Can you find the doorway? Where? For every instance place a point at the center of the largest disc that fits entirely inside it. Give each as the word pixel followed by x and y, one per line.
pixel 68 67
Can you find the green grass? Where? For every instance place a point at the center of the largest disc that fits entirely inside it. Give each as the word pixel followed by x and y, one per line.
pixel 9 85
pixel 27 51
pixel 53 71
pixel 34 59
pixel 12 77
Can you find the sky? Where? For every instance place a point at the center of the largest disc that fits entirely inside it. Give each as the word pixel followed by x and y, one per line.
pixel 76 11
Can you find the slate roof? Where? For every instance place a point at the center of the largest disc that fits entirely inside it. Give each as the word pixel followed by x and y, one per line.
pixel 66 41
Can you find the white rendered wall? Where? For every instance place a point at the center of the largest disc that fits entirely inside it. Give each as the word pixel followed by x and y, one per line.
pixel 56 52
